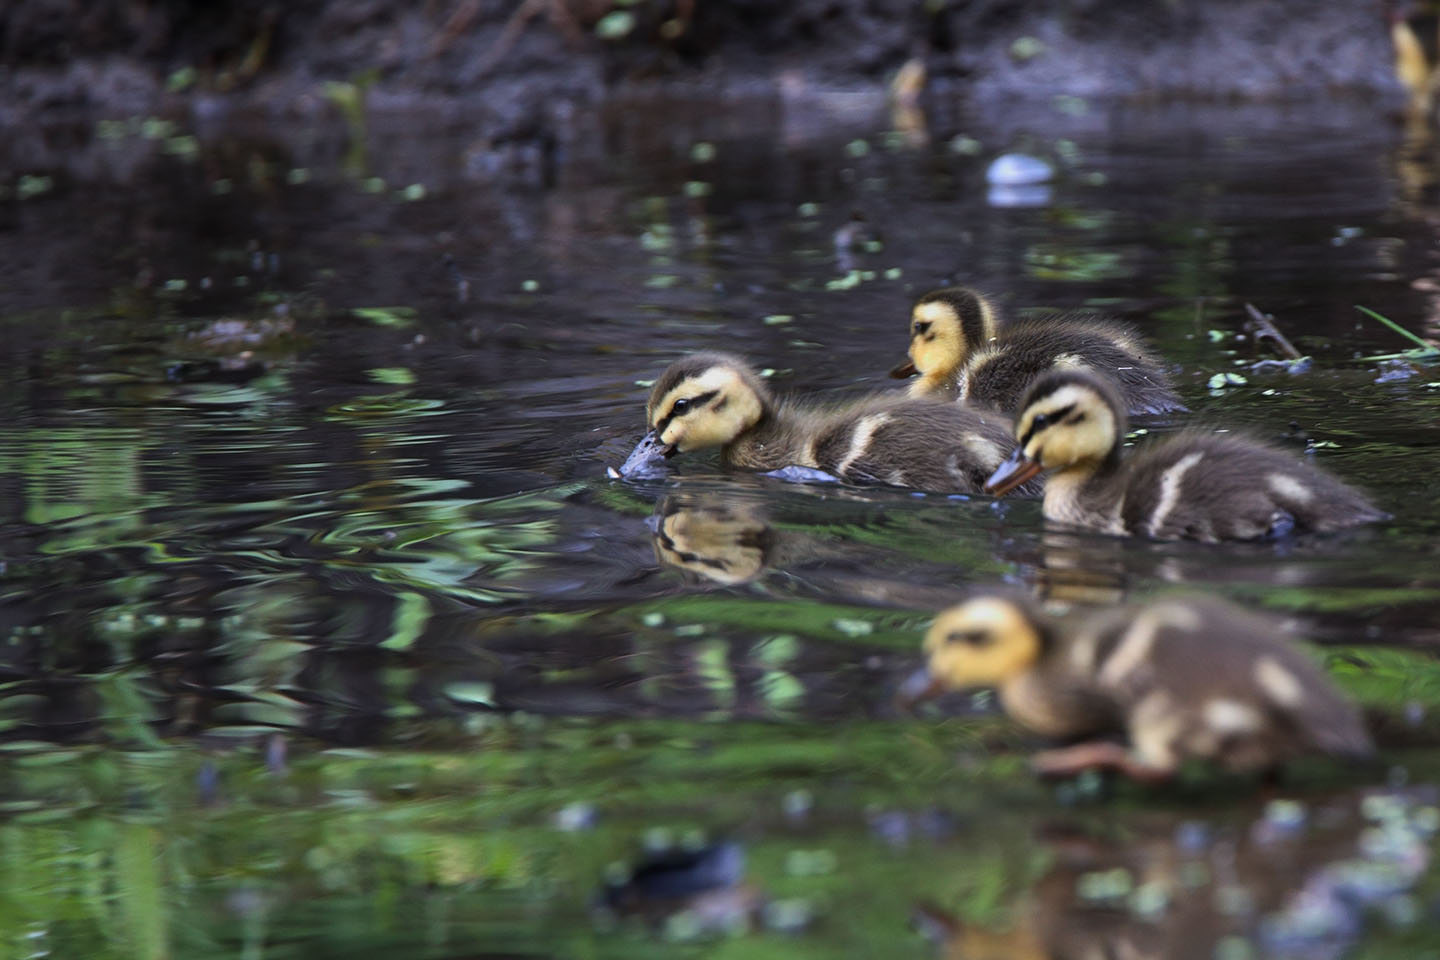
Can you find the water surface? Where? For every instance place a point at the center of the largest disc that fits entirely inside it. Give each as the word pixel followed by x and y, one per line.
pixel 326 633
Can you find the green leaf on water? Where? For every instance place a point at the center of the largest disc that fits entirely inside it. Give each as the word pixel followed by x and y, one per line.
pixel 399 376
pixel 386 316
pixel 482 694
pixel 615 25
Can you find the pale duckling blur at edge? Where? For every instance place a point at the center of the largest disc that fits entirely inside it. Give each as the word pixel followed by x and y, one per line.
pixel 961 352
pixel 1194 486
pixel 1185 677
pixel 716 400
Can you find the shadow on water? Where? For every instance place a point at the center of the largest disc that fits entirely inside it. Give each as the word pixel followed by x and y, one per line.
pixel 325 633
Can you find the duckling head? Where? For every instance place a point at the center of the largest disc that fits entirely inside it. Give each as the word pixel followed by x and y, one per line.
pixel 703 400
pixel 983 642
pixel 945 326
pixel 1069 419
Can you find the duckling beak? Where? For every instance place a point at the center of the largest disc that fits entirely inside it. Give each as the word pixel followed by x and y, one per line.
pixel 1012 473
pixel 648 458
pixel 917 688
pixel 906 369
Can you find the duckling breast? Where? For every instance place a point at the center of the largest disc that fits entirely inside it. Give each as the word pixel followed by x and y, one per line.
pixel 1058 706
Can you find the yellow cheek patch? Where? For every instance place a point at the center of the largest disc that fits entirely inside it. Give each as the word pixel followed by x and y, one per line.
pixel 1059 444
pixel 1011 644
pixel 674 435
pixel 941 348
pixel 732 408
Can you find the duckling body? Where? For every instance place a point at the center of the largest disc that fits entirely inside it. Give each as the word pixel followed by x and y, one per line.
pixel 962 353
pixel 1194 486
pixel 1190 677
pixel 717 400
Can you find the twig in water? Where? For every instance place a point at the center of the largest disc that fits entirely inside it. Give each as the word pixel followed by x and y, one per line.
pixel 1261 326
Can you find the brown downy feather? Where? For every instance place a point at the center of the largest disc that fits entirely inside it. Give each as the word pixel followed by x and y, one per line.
pixel 889 440
pixel 1195 485
pixel 996 375
pixel 1229 688
pixel 969 355
pixel 1180 677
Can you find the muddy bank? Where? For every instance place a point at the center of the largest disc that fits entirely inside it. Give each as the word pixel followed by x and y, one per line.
pixel 521 63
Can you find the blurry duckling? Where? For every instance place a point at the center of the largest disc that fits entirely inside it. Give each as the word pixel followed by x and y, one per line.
pixel 1414 67
pixel 960 351
pixel 717 400
pixel 1193 486
pixel 1192 677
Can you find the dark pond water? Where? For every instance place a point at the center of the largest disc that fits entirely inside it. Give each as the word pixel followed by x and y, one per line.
pixel 325 634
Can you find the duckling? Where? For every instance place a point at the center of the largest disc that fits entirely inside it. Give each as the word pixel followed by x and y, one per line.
pixel 961 352
pixel 1194 486
pixel 1180 677
pixel 717 400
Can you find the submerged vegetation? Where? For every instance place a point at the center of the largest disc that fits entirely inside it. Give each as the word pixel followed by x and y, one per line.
pixel 1423 350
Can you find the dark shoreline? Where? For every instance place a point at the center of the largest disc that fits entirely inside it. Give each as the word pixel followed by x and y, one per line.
pixel 188 57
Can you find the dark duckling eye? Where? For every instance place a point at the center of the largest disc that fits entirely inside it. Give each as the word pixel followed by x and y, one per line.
pixel 1043 420
pixel 684 405
pixel 922 326
pixel 971 638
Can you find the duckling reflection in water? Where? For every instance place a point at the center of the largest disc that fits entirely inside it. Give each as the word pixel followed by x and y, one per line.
pixel 1075 569
pixel 1195 486
pixel 716 400
pixel 961 352
pixel 1155 889
pixel 728 541
pixel 1191 677
pixel 725 537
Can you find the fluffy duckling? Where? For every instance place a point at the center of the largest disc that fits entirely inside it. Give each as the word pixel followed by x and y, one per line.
pixel 1180 678
pixel 961 352
pixel 717 400
pixel 1194 486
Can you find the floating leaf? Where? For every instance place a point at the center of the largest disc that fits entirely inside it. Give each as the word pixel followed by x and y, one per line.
pixel 482 694
pixel 399 376
pixel 615 25
pixel 853 628
pixel 386 316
